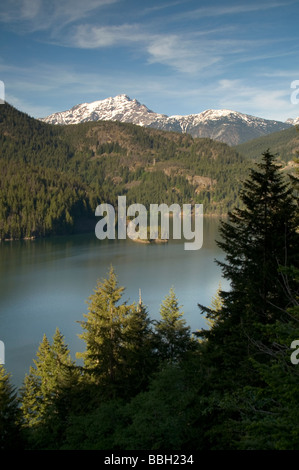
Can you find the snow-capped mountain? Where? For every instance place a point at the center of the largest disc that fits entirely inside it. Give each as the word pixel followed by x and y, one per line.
pixel 293 122
pixel 120 108
pixel 224 125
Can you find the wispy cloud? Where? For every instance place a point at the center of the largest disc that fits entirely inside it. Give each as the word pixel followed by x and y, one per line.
pixel 265 102
pixel 221 55
pixel 31 109
pixel 185 55
pixel 216 11
pixel 190 52
pixel 58 87
pixel 160 7
pixel 181 52
pixel 52 83
pixel 86 36
pixel 41 15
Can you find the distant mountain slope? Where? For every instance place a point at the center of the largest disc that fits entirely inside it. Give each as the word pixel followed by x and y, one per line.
pixel 294 122
pixel 223 125
pixel 53 177
pixel 284 144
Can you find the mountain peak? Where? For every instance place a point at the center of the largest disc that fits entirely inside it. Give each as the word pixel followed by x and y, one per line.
pixel 225 125
pixel 292 121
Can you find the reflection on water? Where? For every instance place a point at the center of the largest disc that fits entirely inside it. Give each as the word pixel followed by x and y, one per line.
pixel 45 284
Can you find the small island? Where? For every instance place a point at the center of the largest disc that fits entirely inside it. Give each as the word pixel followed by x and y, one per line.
pixel 147 241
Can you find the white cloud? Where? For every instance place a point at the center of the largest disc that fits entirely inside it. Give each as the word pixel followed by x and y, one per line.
pixel 93 37
pixel 50 86
pixel 30 9
pixel 38 15
pixel 42 89
pixel 193 59
pixel 28 107
pixel 193 52
pixel 246 7
pixel 187 56
pixel 261 101
pixel 186 53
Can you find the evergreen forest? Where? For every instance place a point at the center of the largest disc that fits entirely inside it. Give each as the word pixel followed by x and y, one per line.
pixel 156 385
pixel 54 177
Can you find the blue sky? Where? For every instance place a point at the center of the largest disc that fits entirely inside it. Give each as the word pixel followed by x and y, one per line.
pixel 176 57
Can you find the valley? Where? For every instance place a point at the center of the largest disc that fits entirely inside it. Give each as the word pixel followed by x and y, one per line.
pixel 54 176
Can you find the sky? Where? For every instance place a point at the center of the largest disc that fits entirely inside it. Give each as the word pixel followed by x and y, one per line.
pixel 176 57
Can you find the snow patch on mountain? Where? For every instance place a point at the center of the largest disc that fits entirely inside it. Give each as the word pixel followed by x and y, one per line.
pixel 120 108
pixel 293 122
pixel 225 125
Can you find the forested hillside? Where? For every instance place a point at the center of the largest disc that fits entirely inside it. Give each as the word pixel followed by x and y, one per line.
pixel 152 385
pixel 53 177
pixel 283 144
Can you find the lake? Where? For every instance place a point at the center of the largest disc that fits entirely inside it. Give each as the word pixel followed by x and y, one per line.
pixel 45 284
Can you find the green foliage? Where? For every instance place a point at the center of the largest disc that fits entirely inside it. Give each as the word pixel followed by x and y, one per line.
pixel 257 240
pixel 118 341
pixel 150 386
pixel 53 177
pixel 10 435
pixel 158 418
pixel 140 358
pixel 45 395
pixel 246 353
pixel 39 202
pixel 270 411
pixel 172 334
pixel 283 144
pixel 96 429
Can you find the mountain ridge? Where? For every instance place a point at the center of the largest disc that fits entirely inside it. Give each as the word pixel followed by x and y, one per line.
pixel 224 125
pixel 54 177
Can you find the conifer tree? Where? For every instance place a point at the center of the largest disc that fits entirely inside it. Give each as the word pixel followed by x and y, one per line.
pixel 9 414
pixel 33 403
pixel 52 375
pixel 106 335
pixel 269 407
pixel 214 312
pixel 173 335
pixel 257 241
pixel 140 359
pixel 260 241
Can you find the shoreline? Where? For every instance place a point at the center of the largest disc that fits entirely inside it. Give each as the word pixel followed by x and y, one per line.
pixel 157 240
pixel 149 241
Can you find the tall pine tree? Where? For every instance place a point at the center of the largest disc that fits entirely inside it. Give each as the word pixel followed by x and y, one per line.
pixel 261 243
pixel 173 335
pixel 52 375
pixel 140 358
pixel 114 333
pixel 10 435
pixel 257 241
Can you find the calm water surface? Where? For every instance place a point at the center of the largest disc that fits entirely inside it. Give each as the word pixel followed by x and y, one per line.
pixel 45 284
